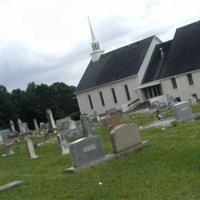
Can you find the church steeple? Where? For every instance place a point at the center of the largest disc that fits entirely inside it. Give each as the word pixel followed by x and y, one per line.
pixel 97 52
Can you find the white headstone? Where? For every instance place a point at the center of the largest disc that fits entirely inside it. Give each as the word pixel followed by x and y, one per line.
pixel 72 124
pixel 22 128
pixel 12 126
pixel 63 144
pixel 35 125
pixel 52 124
pixel 30 147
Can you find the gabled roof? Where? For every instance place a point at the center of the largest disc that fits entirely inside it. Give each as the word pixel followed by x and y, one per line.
pixel 182 54
pixel 115 65
pixel 155 67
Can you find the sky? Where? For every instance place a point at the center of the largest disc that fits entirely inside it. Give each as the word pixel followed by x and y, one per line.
pixel 48 41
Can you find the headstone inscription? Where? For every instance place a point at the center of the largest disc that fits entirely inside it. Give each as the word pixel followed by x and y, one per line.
pixel 63 143
pixel 87 152
pixel 125 139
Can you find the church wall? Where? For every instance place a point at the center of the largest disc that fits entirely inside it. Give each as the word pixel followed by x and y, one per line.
pixel 84 104
pixel 184 90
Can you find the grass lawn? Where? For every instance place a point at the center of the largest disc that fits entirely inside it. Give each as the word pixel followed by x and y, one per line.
pixel 168 169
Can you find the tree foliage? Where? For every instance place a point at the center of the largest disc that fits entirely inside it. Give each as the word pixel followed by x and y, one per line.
pixel 33 102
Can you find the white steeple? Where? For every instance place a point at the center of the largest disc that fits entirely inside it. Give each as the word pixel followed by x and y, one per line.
pixel 97 52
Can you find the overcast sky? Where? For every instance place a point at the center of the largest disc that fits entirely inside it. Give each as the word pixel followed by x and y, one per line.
pixel 47 41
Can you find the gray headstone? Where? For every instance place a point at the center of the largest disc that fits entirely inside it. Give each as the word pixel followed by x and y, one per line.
pixel 52 124
pixel 35 125
pixel 183 111
pixel 30 147
pixel 12 126
pixel 86 152
pixel 63 123
pixel 63 144
pixel 72 134
pixel 87 130
pixel 124 137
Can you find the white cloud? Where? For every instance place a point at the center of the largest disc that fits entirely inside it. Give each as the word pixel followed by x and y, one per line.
pixel 49 40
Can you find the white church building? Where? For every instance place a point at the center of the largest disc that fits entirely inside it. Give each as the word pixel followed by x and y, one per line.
pixel 147 70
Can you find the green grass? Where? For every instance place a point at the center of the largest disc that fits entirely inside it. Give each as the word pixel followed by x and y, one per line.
pixel 169 169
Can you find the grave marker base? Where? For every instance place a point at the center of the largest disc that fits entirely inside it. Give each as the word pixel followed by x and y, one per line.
pixel 133 149
pixel 90 164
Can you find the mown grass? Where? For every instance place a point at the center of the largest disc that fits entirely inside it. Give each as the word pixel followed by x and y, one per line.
pixel 169 169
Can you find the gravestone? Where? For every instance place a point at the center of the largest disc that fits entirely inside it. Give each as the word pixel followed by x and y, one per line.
pixel 22 128
pixel 87 130
pixel 10 185
pixel 183 111
pixel 63 123
pixel 30 147
pixel 42 126
pixel 12 126
pixel 26 127
pixel 92 118
pixel 52 126
pixel 63 144
pixel 73 134
pixel 72 124
pixel 125 138
pixel 9 147
pixel 86 152
pixel 35 125
pixel 112 121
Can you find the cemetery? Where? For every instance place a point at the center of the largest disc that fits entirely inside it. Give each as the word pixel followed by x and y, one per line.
pixel 116 156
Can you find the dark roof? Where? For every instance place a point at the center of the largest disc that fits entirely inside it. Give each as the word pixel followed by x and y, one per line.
pixel 156 63
pixel 118 64
pixel 182 54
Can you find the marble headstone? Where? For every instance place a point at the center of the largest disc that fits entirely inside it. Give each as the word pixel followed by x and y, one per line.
pixel 125 137
pixel 30 147
pixel 52 124
pixel 63 143
pixel 35 125
pixel 12 126
pixel 72 124
pixel 22 128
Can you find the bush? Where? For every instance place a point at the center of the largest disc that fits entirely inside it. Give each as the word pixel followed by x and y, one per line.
pixel 75 115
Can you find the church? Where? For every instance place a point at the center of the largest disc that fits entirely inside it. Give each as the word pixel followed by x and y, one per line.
pixel 148 70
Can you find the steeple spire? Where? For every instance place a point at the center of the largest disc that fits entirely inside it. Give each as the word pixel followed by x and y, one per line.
pixel 91 30
pixel 97 52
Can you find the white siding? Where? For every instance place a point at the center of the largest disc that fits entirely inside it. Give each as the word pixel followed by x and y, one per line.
pixel 108 97
pixel 184 90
